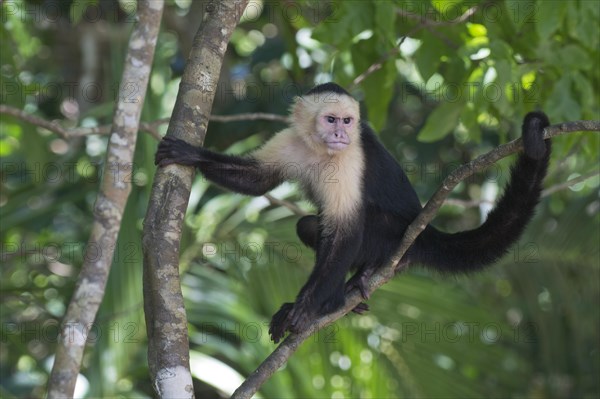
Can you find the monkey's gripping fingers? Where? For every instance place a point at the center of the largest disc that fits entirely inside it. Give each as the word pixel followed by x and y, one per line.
pixel 172 150
pixel 360 282
pixel 294 317
pixel 533 135
pixel 280 322
pixel 301 316
pixel 361 308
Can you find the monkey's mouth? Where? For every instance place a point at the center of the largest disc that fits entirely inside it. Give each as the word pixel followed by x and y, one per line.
pixel 337 145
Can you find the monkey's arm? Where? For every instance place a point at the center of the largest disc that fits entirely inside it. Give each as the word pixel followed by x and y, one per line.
pixel 245 175
pixel 325 289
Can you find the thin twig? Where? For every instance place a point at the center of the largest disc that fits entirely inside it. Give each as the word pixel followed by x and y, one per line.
pixel 250 117
pixel 287 204
pixel 34 120
pixel 425 23
pixel 149 127
pixel 545 193
pixel 375 66
pixel 569 183
pixel 429 22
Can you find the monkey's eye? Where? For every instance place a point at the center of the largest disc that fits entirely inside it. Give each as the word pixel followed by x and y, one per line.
pixel 330 119
pixel 347 121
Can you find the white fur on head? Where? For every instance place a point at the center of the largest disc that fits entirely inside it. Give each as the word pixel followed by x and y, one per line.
pixel 307 110
pixel 341 193
pixel 335 178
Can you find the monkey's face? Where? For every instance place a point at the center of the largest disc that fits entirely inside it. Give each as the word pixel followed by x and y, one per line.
pixel 337 124
pixel 328 122
pixel 334 130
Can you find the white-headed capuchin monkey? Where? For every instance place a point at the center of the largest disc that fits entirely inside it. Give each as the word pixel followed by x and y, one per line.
pixel 365 201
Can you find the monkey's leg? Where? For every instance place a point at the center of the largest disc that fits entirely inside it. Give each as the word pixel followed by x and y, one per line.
pixel 307 229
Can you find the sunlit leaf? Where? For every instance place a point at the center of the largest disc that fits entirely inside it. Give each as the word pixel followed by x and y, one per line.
pixel 549 17
pixel 440 122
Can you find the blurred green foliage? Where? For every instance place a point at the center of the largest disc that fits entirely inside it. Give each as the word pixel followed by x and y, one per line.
pixel 443 81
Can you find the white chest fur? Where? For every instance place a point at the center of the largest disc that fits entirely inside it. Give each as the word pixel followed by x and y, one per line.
pixel 335 181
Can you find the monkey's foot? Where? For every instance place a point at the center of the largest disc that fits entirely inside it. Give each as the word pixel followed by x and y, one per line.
pixel 301 315
pixel 360 282
pixel 361 308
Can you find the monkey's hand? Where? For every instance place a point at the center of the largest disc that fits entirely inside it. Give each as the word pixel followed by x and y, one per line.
pixel 172 150
pixel 533 135
pixel 280 322
pixel 294 317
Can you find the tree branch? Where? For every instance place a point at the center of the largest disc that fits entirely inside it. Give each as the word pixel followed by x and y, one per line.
pixel 287 204
pixel 569 183
pixel 282 353
pixel 110 204
pixel 53 126
pixel 424 23
pixel 547 192
pixel 431 25
pixel 376 66
pixel 166 321
pixel 149 127
pixel 250 117
pixel 430 22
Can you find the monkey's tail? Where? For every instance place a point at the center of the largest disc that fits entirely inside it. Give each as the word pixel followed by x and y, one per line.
pixel 473 249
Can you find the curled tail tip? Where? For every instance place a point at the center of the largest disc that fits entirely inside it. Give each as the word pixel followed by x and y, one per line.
pixel 536 117
pixel 533 135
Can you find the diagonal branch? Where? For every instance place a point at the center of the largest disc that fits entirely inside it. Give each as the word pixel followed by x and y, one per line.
pixel 424 23
pixel 286 204
pixel 283 352
pixel 569 183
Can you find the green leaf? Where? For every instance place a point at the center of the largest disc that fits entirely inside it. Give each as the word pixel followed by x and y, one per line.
pixel 78 9
pixel 428 57
pixel 500 49
pixel 573 57
pixel 503 72
pixel 360 15
pixel 561 104
pixel 378 93
pixel 504 82
pixel 549 17
pixel 349 19
pixel 440 122
pixel 583 22
pixel 520 12
pixel 468 118
pixel 378 90
pixel 377 86
pixel 385 18
pixel 585 91
pixel 448 9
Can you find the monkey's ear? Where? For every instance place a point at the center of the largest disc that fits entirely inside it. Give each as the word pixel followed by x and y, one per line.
pixel 298 108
